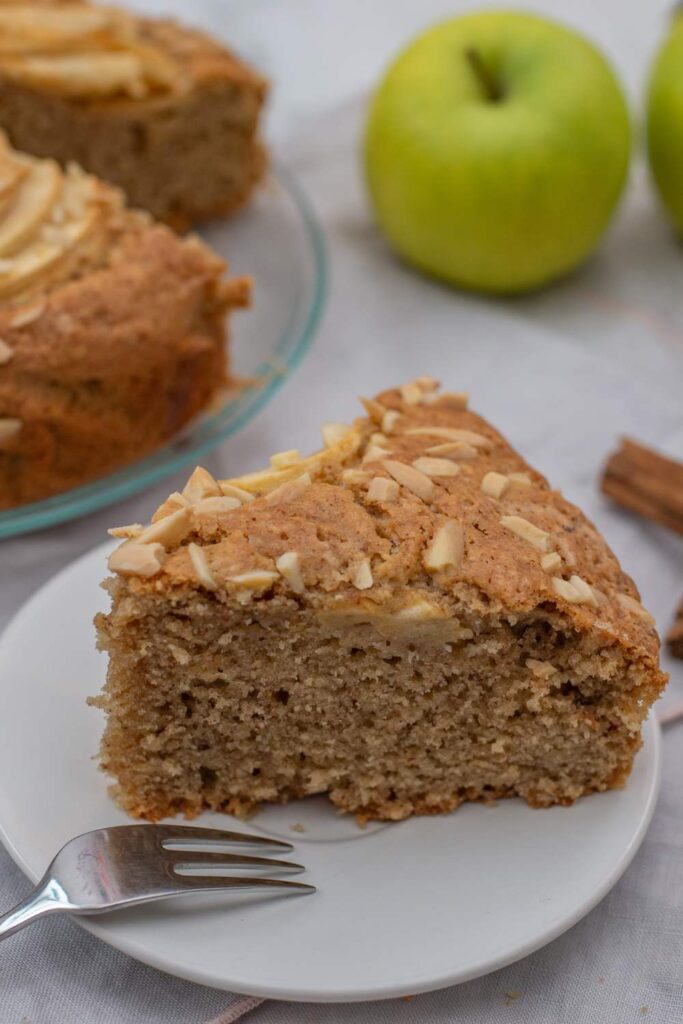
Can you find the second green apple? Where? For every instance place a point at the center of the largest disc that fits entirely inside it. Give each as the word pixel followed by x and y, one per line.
pixel 497 147
pixel 665 122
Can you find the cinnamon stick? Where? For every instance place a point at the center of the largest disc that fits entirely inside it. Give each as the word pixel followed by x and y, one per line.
pixel 642 480
pixel 648 483
pixel 674 638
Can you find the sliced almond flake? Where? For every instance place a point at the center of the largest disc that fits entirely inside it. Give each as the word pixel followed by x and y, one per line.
pixel 181 499
pixel 169 531
pixel 6 352
pixel 410 478
pixel 201 566
pixel 447 547
pixel 426 383
pixel 378 439
pixel 174 502
pixel 257 579
pixel 457 399
pixel 567 554
pixel 411 394
pixel 436 467
pixel 334 433
pixel 355 477
pixel 374 410
pixel 362 576
pixel 566 590
pixel 9 427
pixel 584 589
pixel 215 506
pixel 201 485
pixel 453 434
pixel 264 481
pixel 230 491
pixel 631 605
pixel 28 314
pixel 134 559
pixel 541 669
pixel 520 478
pixel 389 420
pixel 375 453
pixel 289 566
pixel 131 531
pixel 495 484
pixel 289 490
pixel 527 531
pixel 381 489
pixel 283 459
pixel 551 562
pixel 456 450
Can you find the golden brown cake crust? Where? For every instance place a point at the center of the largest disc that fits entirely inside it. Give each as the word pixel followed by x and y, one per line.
pixel 333 522
pixel 106 353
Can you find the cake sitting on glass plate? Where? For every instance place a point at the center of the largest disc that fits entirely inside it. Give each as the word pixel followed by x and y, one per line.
pixel 406 620
pixel 163 111
pixel 112 329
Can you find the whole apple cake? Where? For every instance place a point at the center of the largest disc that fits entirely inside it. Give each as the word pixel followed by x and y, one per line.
pixel 406 620
pixel 112 329
pixel 160 110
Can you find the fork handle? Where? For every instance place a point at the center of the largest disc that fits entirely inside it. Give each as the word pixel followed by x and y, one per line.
pixel 46 898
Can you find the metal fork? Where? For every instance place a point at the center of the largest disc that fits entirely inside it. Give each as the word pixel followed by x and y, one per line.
pixel 131 864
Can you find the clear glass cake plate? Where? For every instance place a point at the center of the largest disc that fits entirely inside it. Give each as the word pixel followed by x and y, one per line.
pixel 278 241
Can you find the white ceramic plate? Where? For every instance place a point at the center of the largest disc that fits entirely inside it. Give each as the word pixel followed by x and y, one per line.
pixel 401 908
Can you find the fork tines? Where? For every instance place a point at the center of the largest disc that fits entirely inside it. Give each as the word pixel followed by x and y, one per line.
pixel 179 847
pixel 189 835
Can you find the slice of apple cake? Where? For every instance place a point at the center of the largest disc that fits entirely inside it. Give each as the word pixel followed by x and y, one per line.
pixel 160 110
pixel 112 329
pixel 406 620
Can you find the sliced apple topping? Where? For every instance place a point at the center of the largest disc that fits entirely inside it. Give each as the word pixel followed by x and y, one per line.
pixel 11 176
pixel 37 194
pixel 52 218
pixel 81 52
pixel 30 27
pixel 85 74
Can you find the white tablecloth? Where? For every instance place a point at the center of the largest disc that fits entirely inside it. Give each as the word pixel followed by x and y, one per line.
pixel 614 331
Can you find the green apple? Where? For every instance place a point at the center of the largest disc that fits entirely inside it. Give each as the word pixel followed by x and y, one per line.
pixel 496 148
pixel 665 122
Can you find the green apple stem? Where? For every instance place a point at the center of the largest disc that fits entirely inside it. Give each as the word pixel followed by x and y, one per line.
pixel 487 80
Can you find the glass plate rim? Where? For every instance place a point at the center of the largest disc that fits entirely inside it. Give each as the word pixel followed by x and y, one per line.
pixel 107 490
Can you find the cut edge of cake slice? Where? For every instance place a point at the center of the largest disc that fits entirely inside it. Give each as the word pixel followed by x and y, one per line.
pixel 406 620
